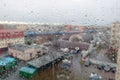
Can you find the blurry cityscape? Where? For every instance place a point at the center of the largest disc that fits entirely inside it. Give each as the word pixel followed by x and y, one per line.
pixel 59 52
pixel 59 40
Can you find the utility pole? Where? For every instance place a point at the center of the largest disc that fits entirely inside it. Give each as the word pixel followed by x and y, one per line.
pixel 53 72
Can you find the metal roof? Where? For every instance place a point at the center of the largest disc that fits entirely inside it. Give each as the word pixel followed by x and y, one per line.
pixel 27 70
pixel 68 44
pixel 33 33
pixel 20 47
pixel 44 60
pixel 4 61
pixel 9 59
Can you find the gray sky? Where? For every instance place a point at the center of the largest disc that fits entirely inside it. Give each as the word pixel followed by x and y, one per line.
pixel 84 12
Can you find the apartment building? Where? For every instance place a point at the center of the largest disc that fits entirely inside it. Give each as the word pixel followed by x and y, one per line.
pixel 115 43
pixel 70 28
pixel 25 52
pixel 115 35
pixel 10 37
pixel 22 27
pixel 46 27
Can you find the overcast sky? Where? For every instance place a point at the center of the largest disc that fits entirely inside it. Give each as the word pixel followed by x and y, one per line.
pixel 83 12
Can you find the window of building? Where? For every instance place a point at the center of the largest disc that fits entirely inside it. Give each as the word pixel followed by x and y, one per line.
pixel 30 55
pixel 38 51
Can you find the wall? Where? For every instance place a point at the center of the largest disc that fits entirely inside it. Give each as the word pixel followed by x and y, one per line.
pixel 11 37
pixel 26 54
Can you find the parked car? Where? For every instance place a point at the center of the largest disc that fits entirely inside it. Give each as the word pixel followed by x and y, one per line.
pixel 107 68
pixel 100 66
pixel 73 51
pixel 66 64
pixel 113 69
pixel 94 76
pixel 63 77
pixel 110 79
pixel 87 63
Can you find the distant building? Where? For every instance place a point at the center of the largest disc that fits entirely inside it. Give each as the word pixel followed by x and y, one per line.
pixel 71 28
pixel 70 45
pixel 46 27
pixel 22 27
pixel 10 37
pixel 1 26
pixel 25 52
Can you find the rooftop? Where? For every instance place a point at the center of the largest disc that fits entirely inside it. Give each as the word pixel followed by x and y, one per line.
pixel 35 46
pixel 68 44
pixel 20 47
pixel 6 60
pixel 9 59
pixel 44 60
pixel 27 70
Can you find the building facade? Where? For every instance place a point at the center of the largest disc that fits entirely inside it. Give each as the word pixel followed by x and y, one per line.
pixel 70 28
pixel 22 27
pixel 45 27
pixel 115 35
pixel 11 37
pixel 117 75
pixel 115 43
pixel 25 52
